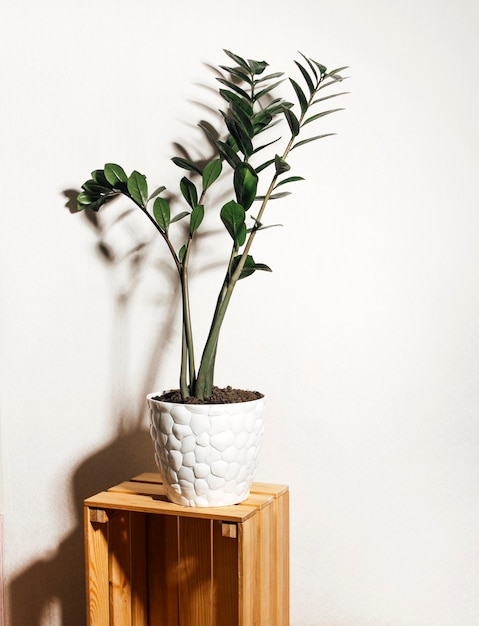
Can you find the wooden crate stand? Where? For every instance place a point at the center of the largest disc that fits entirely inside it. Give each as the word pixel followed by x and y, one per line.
pixel 153 563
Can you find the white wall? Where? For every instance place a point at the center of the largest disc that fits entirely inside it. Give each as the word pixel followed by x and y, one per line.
pixel 368 323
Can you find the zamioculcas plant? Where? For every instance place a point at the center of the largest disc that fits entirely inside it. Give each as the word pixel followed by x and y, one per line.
pixel 251 108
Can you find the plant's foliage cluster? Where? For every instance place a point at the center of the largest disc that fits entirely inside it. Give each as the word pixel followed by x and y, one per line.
pixel 252 108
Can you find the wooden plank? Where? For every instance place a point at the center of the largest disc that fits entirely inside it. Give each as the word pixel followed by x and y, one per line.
pixel 147 504
pixel 249 609
pixel 154 490
pixel 139 559
pixel 281 559
pixel 195 572
pixel 225 574
pixel 96 571
pixel 266 566
pixel 120 569
pixel 162 570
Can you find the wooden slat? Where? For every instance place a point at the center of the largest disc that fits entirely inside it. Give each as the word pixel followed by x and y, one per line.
pixel 248 580
pixel 225 574
pixel 163 570
pixel 147 504
pixel 266 568
pixel 195 572
pixel 139 560
pixel 120 569
pixel 96 567
pixel 281 559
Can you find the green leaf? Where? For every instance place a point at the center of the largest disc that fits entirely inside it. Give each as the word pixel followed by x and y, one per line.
pixel 181 253
pixel 233 217
pixel 157 192
pixel 240 136
pixel 99 177
pixel 161 211
pixel 245 182
pixel 186 164
pixel 179 216
pixel 236 71
pixel 211 173
pixel 312 67
pixel 269 77
pixel 237 59
pixel 196 217
pixel 234 87
pixel 228 154
pixel 91 186
pixel 266 90
pixel 303 102
pixel 249 266
pixel 306 77
pixel 115 175
pixel 305 141
pixel 242 118
pixel 291 179
pixel 138 188
pixel 322 114
pixel 189 192
pixel 293 122
pixel 257 67
pixel 232 97
pixel 280 165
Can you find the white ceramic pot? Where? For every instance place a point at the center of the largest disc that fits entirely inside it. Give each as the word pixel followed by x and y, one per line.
pixel 206 453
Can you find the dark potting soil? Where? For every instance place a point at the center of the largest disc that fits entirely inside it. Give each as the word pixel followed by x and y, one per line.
pixel 226 395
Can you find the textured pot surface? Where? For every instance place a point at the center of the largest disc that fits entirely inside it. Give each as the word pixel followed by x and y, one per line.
pixel 206 453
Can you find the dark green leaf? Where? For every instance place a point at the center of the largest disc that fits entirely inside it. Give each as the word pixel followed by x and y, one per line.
pixel 228 154
pixel 196 217
pixel 245 183
pixel 233 215
pixel 138 188
pixel 313 68
pixel 189 192
pixel 234 87
pixel 322 114
pixel 179 216
pixel 157 192
pixel 301 143
pixel 249 266
pixel 186 164
pixel 333 95
pixel 306 77
pixel 181 253
pixel 275 196
pixel 115 175
pixel 269 77
pixel 231 97
pixel 161 211
pixel 264 165
pixel 291 179
pixel 211 173
pixel 303 102
pixel 293 122
pixel 257 67
pixel 280 165
pixel 100 178
pixel 93 187
pixel 240 136
pixel 242 118
pixel 266 90
pixel 237 59
pixel 236 71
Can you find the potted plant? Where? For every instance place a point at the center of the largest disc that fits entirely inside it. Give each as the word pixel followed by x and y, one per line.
pixel 207 438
